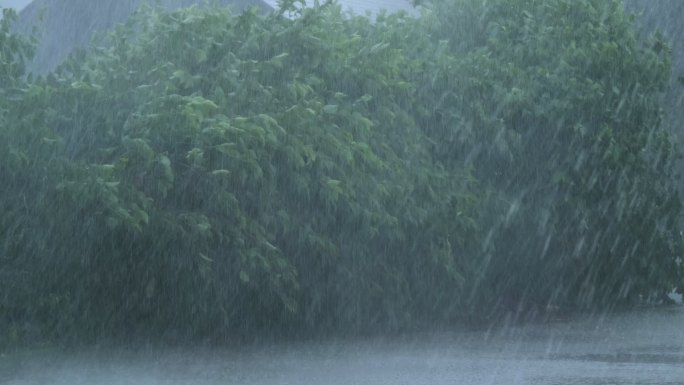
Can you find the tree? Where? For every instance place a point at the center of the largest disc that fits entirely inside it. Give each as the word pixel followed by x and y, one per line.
pixel 556 105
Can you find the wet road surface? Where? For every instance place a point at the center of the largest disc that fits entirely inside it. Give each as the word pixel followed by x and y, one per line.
pixel 643 346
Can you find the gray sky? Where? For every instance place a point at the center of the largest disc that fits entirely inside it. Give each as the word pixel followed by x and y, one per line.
pixel 18 4
pixel 359 6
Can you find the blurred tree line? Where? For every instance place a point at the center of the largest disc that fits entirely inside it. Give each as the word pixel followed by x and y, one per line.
pixel 201 174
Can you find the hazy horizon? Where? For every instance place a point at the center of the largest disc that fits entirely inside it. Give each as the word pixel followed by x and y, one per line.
pixel 16 4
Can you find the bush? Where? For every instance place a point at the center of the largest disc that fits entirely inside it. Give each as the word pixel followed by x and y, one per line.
pixel 204 174
pixel 556 106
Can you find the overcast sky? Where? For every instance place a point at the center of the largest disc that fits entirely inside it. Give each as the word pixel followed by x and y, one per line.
pixel 18 4
pixel 359 6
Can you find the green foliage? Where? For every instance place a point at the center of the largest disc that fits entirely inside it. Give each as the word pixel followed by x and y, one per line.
pixel 205 174
pixel 15 51
pixel 556 106
pixel 224 173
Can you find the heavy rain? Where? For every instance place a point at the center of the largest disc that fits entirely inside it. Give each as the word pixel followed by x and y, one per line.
pixel 341 192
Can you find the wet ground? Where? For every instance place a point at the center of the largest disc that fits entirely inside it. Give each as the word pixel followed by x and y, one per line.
pixel 644 346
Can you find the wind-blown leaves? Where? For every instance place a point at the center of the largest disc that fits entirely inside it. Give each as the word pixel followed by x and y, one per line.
pixel 209 174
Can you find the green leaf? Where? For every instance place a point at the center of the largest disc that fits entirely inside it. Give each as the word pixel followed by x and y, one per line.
pixel 221 172
pixel 330 109
pixel 225 148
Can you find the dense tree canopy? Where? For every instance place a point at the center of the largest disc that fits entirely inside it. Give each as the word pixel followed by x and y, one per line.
pixel 199 173
pixel 561 106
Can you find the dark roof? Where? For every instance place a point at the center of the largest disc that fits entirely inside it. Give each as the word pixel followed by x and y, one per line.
pixel 69 24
